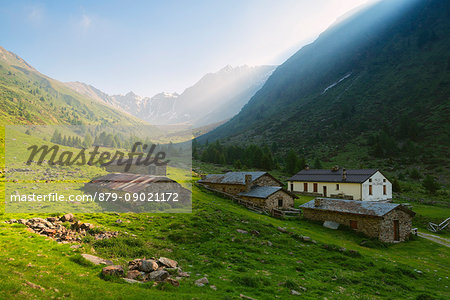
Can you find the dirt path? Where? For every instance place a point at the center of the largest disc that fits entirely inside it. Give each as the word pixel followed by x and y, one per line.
pixel 435 238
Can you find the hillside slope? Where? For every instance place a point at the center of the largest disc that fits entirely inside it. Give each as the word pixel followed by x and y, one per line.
pixel 379 79
pixel 29 97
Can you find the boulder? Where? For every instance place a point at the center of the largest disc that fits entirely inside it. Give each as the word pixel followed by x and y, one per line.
pixel 113 270
pixel 183 274
pixel 67 218
pixel 168 262
pixel 148 265
pixel 135 274
pixel 201 281
pixel 131 280
pixel 97 260
pixel 135 264
pixel 173 282
pixel 160 275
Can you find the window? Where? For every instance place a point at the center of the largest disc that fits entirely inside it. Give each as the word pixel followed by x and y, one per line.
pixel 370 179
pixel 315 187
pixel 305 186
pixel 353 224
pixel 384 180
pixel 292 187
pixel 370 189
pixel 337 187
pixel 280 202
pixel 384 190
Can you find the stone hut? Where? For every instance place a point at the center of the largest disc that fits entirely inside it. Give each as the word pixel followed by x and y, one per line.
pixel 388 222
pixel 148 189
pixel 259 188
pixel 119 167
pixel 269 197
pixel 238 182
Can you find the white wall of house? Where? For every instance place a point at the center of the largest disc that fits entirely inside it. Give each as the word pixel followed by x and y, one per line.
pixel 376 188
pixel 357 190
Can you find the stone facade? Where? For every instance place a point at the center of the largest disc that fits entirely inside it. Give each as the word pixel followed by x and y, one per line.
pixel 272 201
pixel 232 189
pixel 266 180
pixel 382 228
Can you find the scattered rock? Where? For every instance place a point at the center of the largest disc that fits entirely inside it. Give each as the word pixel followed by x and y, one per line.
pixel 135 274
pixel 97 260
pixel 148 265
pixel 113 270
pixel 183 274
pixel 201 281
pixel 241 231
pixel 246 297
pixel 67 218
pixel 132 281
pixel 75 246
pixel 294 292
pixel 173 282
pixel 168 262
pixel 159 275
pixel 282 229
pixel 213 287
pixel 254 232
pixel 35 286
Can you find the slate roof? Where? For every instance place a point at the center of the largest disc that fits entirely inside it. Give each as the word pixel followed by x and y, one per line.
pixel 367 208
pixel 127 182
pixel 325 175
pixel 261 191
pixel 231 177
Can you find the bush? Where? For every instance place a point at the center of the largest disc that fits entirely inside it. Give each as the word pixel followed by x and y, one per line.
pixel 430 184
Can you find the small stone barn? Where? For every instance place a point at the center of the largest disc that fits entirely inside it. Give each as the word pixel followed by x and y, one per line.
pixel 269 197
pixel 259 188
pixel 237 182
pixel 119 167
pixel 128 183
pixel 388 222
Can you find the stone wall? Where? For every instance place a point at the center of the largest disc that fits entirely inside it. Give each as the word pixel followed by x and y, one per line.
pixel 368 225
pixel 387 226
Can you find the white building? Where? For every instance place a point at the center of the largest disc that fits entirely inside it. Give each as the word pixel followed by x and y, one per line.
pixel 365 184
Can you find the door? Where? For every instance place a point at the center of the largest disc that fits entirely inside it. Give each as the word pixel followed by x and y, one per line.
pixel 280 202
pixel 315 187
pixel 324 191
pixel 305 186
pixel 396 231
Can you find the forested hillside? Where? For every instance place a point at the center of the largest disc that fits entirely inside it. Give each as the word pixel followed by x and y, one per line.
pixel 372 91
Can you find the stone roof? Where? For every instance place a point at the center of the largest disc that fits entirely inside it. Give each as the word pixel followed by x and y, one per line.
pixel 325 175
pixel 231 177
pixel 367 208
pixel 127 182
pixel 261 191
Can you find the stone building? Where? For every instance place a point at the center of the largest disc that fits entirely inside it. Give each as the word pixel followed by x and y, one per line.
pixel 388 222
pixel 135 168
pixel 362 184
pixel 269 197
pixel 138 190
pixel 260 188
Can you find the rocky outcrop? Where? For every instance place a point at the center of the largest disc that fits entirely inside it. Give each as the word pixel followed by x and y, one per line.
pixel 143 270
pixel 65 229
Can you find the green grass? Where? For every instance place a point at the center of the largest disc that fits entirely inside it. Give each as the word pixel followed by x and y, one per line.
pixel 206 243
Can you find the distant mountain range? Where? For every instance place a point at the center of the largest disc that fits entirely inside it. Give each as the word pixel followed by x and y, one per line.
pixel 215 98
pixel 376 84
pixel 29 97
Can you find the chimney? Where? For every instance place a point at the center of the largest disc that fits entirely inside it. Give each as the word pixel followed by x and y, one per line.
pixel 344 175
pixel 306 167
pixel 248 182
pixel 335 168
pixel 317 202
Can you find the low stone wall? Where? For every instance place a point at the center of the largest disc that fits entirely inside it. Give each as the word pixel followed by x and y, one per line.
pixel 368 225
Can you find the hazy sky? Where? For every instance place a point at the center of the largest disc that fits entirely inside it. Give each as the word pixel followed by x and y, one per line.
pixel 154 46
